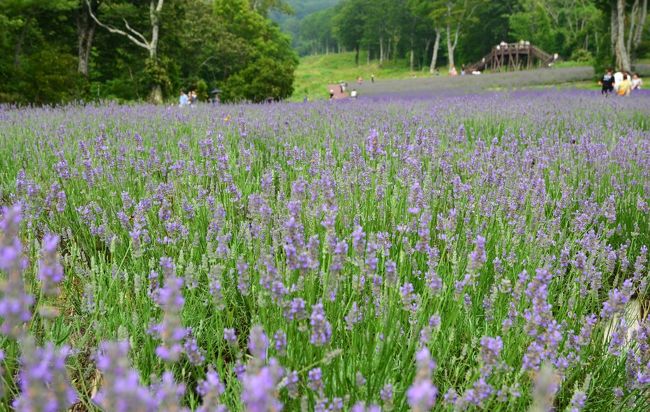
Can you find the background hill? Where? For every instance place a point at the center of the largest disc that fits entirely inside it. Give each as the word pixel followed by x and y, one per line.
pixel 300 24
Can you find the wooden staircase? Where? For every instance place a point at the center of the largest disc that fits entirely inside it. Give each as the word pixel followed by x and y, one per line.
pixel 513 56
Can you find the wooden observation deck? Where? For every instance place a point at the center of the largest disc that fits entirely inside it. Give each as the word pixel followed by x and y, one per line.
pixel 513 56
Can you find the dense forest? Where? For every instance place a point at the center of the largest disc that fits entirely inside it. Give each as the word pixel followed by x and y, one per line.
pixel 293 23
pixel 432 32
pixel 65 50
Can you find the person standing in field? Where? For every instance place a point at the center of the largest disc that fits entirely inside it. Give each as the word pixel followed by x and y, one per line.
pixel 372 78
pixel 618 78
pixel 636 82
pixel 607 83
pixel 625 86
pixel 452 71
pixel 183 99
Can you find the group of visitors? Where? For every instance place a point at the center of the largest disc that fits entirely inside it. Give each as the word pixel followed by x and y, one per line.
pixel 188 99
pixel 360 79
pixel 463 71
pixel 622 82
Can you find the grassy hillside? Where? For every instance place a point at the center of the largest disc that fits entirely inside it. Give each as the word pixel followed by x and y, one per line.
pixel 315 72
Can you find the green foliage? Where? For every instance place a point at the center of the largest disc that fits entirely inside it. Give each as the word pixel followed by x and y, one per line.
pixel 559 26
pixel 202 45
pixel 265 68
pixel 582 56
pixel 156 75
pixel 202 90
pixel 266 79
pixel 49 76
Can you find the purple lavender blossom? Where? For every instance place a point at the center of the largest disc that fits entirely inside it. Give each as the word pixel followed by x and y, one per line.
pixel 211 388
pixel 280 342
pixel 171 301
pixel 478 257
pixel 44 381
pixel 490 351
pixel 230 336
pixel 578 401
pixel 259 390
pixel 321 330
pixel 386 393
pixel 315 377
pixel 168 393
pixel 50 271
pixel 121 389
pixel 15 304
pixel 258 343
pixel 421 396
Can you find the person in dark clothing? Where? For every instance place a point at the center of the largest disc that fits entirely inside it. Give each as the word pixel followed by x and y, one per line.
pixel 607 83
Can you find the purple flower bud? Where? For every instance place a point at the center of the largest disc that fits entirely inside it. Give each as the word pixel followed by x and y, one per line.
pixel 258 343
pixel 44 381
pixel 230 336
pixel 315 377
pixel 259 391
pixel 50 271
pixel 280 340
pixel 121 389
pixel 321 330
pixel 210 389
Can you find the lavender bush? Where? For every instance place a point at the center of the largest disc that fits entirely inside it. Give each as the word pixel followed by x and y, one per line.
pixel 446 252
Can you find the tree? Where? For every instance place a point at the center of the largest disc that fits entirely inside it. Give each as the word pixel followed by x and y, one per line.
pixel 263 7
pixel 628 21
pixel 266 68
pixel 36 38
pixel 455 16
pixel 349 25
pixel 426 8
pixel 566 27
pixel 152 65
pixel 85 34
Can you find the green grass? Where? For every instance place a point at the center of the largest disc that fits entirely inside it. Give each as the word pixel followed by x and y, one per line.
pixel 315 72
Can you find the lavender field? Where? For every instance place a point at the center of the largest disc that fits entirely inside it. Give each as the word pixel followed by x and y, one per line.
pixel 442 252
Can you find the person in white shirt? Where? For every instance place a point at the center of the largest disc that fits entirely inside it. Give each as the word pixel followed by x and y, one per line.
pixel 618 79
pixel 636 82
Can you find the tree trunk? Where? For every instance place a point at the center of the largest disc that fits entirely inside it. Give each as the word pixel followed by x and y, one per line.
pixel 633 16
pixel 381 49
pixel 156 96
pixel 639 28
pixel 155 8
pixel 424 55
pixel 356 55
pixel 154 15
pixel 388 48
pixel 368 57
pixel 450 49
pixel 85 35
pixel 396 39
pixel 434 57
pixel 613 29
pixel 622 56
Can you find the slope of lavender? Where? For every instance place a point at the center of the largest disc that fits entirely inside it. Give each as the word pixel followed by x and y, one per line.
pixel 443 252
